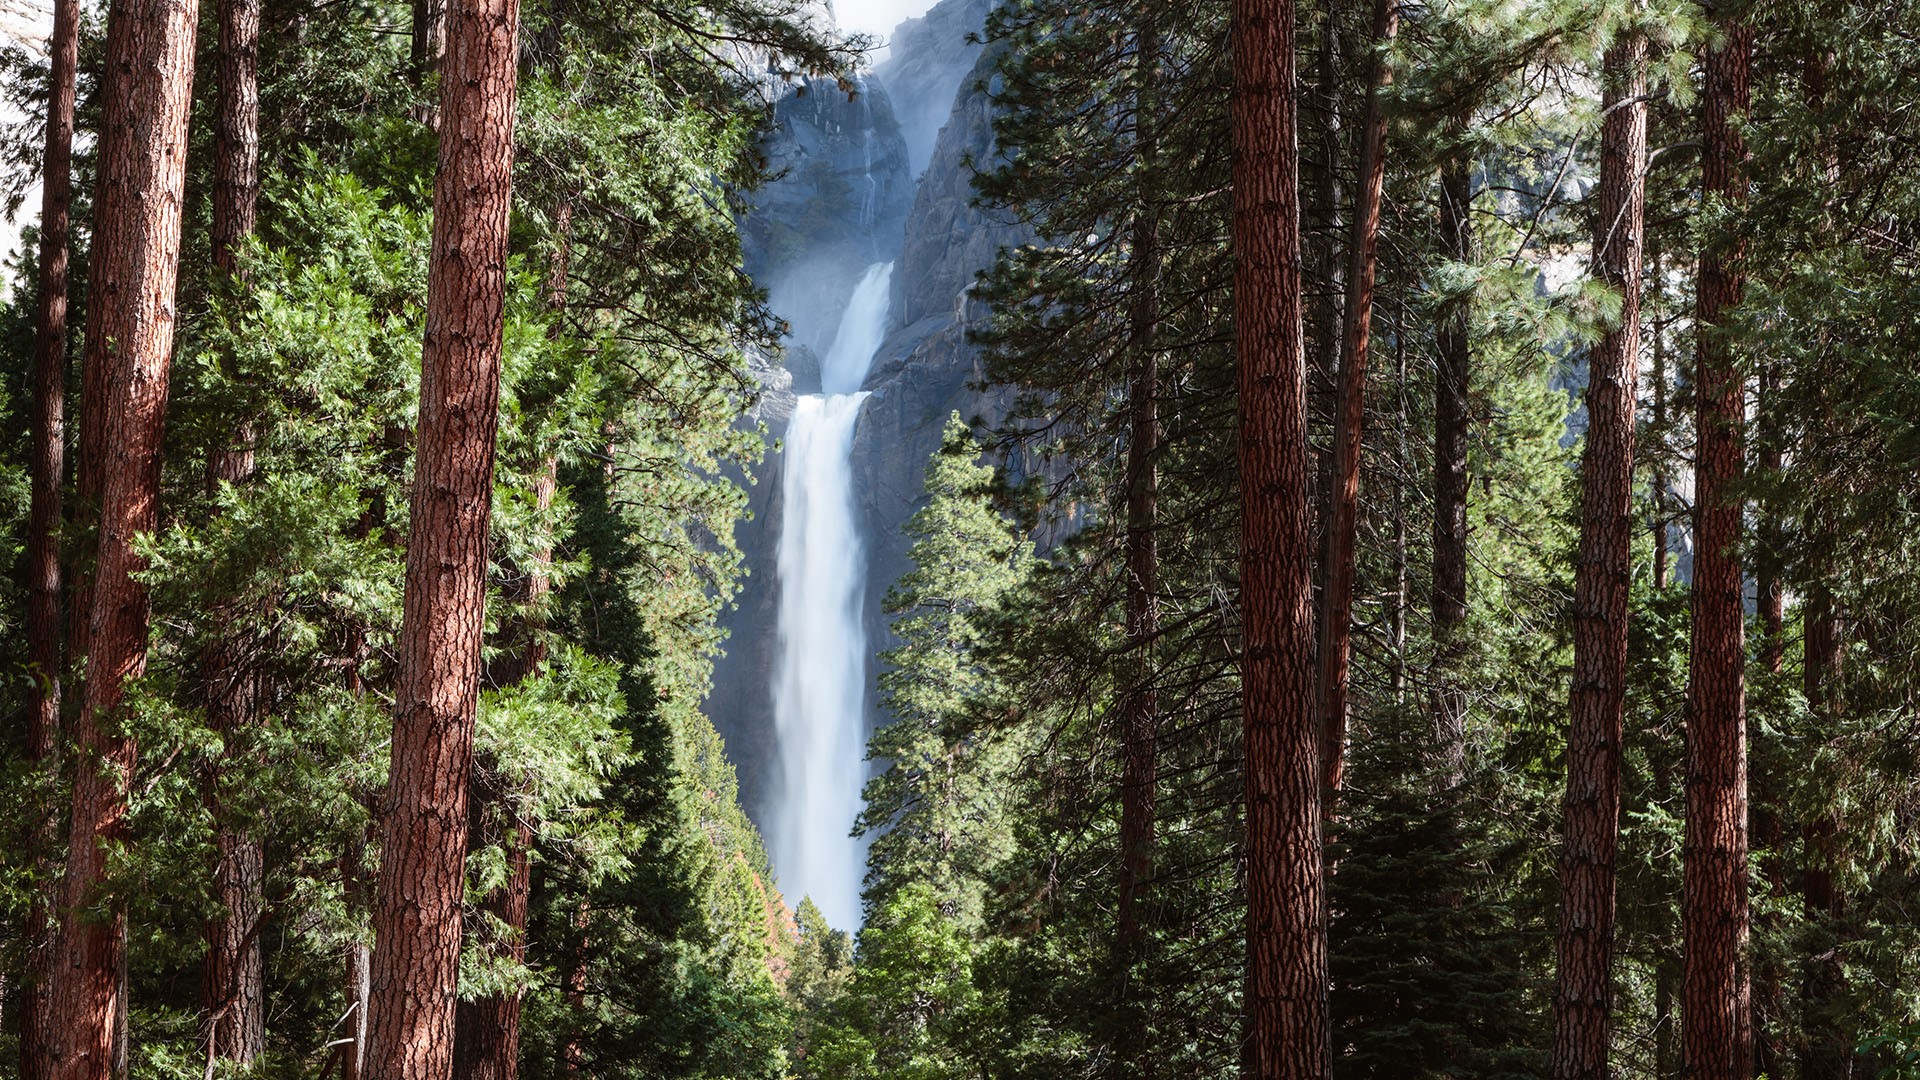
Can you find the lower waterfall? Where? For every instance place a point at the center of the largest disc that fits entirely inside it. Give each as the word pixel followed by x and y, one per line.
pixel 819 690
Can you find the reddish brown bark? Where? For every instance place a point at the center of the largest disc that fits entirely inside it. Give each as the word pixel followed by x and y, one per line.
pixel 43 570
pixel 1583 986
pixel 1287 1036
pixel 1140 706
pixel 487 1029
pixel 137 221
pixel 1336 599
pixel 1715 1008
pixel 234 984
pixel 417 916
pixel 1452 377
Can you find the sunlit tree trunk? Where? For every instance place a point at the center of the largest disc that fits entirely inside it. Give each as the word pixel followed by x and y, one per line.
pixel 1583 983
pixel 129 351
pixel 417 913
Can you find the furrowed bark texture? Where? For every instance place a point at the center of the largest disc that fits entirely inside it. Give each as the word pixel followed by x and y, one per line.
pixel 1583 989
pixel 1336 611
pixel 1141 716
pixel 129 348
pixel 1714 1006
pixel 43 527
pixel 1286 1032
pixel 417 916
pixel 234 984
pixel 1452 376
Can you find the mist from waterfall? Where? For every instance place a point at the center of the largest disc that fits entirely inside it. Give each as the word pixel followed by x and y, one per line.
pixel 820 681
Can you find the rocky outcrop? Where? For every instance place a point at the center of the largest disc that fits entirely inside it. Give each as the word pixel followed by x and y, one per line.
pixel 837 205
pixel 809 238
pixel 929 57
pixel 928 369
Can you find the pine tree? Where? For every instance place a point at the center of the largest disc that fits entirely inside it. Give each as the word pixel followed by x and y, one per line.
pixel 1583 998
pixel 1337 565
pixel 937 813
pixel 1716 1007
pixel 1286 937
pixel 417 913
pixel 44 569
pixel 134 268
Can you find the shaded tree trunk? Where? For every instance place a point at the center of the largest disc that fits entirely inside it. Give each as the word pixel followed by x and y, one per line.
pixel 1715 1009
pixel 1661 553
pixel 1329 272
pixel 354 893
pixel 1452 379
pixel 1286 1034
pixel 487 1044
pixel 234 983
pixel 1827 1050
pixel 43 527
pixel 417 914
pixel 129 350
pixel 1583 986
pixel 487 1030
pixel 1336 611
pixel 1140 707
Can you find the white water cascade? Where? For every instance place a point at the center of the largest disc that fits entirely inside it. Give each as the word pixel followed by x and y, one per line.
pixel 819 691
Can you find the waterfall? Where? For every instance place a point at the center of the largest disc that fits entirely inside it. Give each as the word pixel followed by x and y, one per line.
pixel 820 681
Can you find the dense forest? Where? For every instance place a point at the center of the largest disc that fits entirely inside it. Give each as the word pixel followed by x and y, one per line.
pixel 1418 576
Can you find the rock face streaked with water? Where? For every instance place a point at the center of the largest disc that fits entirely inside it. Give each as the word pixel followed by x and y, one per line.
pixel 871 270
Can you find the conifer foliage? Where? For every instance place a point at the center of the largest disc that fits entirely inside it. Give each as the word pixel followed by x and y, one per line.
pixel 1428 588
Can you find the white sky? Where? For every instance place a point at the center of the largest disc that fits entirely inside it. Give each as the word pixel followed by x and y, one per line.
pixel 877 17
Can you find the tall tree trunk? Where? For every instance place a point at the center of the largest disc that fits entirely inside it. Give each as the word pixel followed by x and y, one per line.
pixel 136 262
pixel 1336 611
pixel 1661 554
pixel 417 916
pixel 1329 271
pixel 1287 1036
pixel 487 1029
pixel 234 984
pixel 1827 1054
pixel 1452 378
pixel 359 958
pixel 487 1044
pixel 1583 987
pixel 1715 1008
pixel 1141 709
pixel 43 527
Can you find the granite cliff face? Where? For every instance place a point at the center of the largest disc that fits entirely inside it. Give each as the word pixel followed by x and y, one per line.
pixel 848 198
